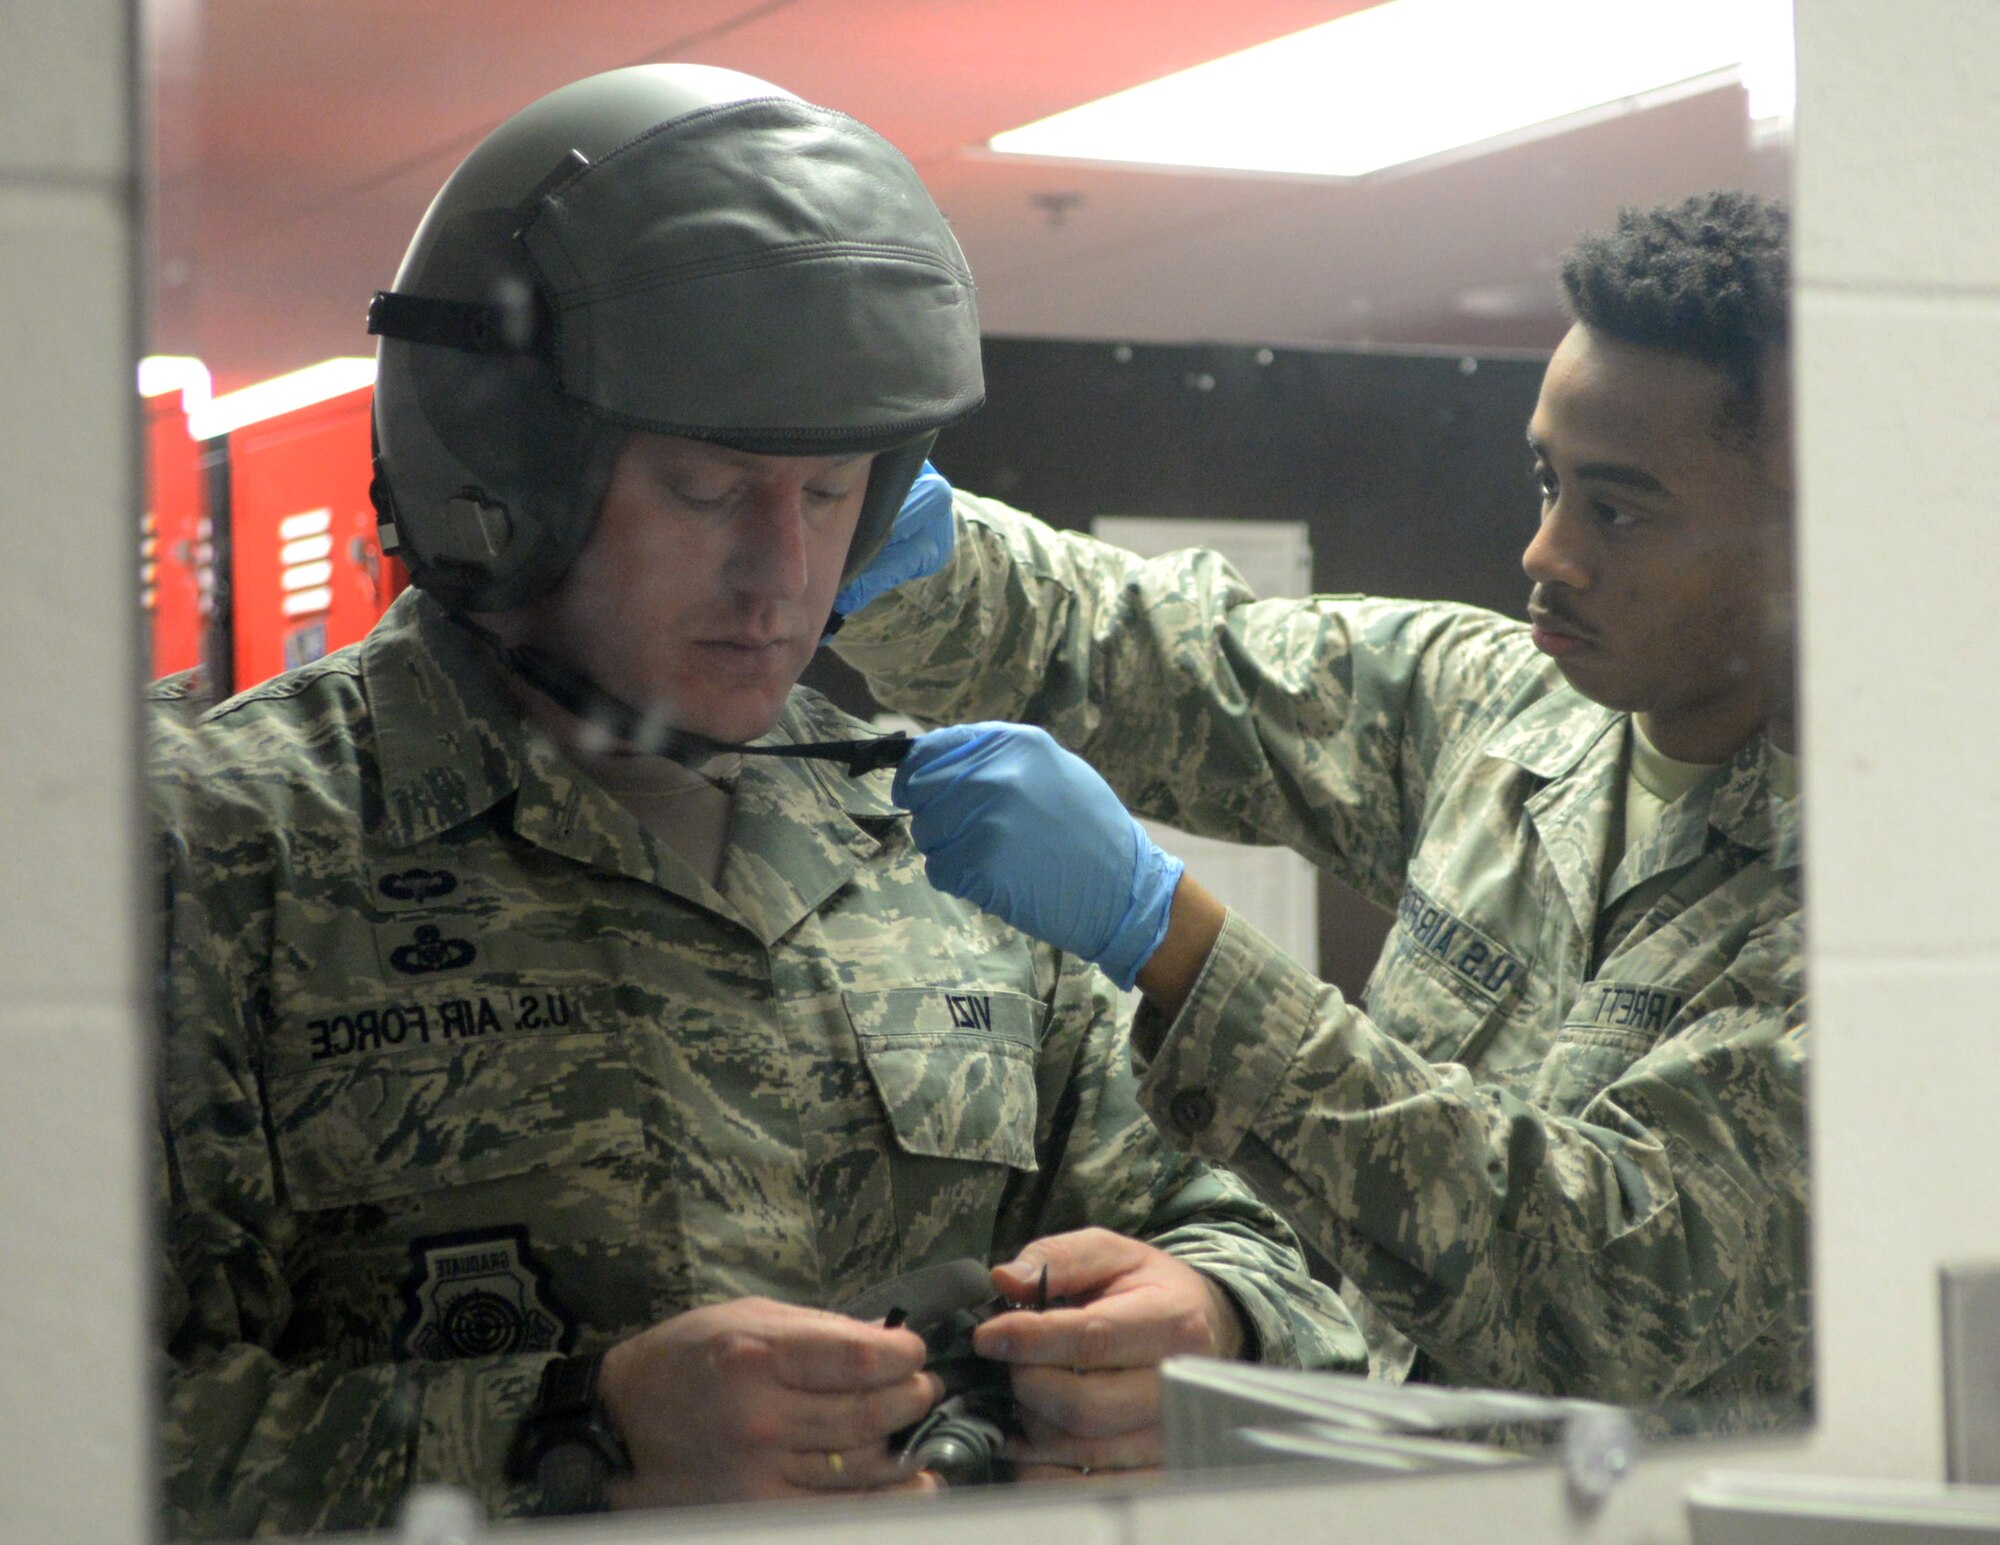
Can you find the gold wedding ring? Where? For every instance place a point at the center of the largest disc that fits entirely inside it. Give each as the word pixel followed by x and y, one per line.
pixel 834 1462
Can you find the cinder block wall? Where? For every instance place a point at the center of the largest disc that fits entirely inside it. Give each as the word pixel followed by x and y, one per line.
pixel 72 1434
pixel 1899 415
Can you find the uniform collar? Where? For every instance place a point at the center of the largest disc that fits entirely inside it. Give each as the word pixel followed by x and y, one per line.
pixel 448 736
pixel 800 830
pixel 1747 808
pixel 453 746
pixel 1555 733
pixel 1553 738
pixel 1578 747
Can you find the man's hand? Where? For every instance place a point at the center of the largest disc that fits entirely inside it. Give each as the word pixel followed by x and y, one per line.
pixel 920 543
pixel 756 1400
pixel 1086 1376
pixel 1010 821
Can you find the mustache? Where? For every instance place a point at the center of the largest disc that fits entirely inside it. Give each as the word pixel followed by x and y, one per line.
pixel 1545 612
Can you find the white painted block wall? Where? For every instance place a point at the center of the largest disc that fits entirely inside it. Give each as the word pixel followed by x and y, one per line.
pixel 72 1285
pixel 1899 410
pixel 1899 414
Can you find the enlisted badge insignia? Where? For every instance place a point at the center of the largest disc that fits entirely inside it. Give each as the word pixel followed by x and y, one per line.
pixel 432 951
pixel 479 1294
pixel 417 884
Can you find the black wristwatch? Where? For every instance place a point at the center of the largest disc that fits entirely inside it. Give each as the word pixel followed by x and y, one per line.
pixel 566 1444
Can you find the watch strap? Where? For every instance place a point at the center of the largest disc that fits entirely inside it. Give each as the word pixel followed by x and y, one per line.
pixel 566 1445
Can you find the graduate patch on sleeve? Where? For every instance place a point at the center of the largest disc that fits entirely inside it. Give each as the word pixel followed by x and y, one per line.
pixel 479 1294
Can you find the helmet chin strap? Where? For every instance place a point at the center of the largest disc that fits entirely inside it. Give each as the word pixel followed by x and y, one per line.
pixel 650 733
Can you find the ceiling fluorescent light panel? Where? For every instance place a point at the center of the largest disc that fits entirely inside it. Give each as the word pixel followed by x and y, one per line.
pixel 1410 79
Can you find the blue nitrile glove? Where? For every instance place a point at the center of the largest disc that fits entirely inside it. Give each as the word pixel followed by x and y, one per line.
pixel 919 543
pixel 1013 823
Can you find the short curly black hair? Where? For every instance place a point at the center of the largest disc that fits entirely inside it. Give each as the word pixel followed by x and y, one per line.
pixel 1708 278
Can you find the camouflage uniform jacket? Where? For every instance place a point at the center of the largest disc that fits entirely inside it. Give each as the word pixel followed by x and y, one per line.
pixel 1564 1147
pixel 461 1067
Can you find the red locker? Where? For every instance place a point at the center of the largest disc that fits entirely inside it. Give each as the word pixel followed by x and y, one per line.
pixel 308 574
pixel 176 541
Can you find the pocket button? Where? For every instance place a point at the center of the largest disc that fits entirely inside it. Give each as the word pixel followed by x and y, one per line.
pixel 1192 1110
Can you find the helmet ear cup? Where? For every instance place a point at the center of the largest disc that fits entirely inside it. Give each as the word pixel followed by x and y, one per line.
pixel 494 473
pixel 889 482
pixel 512 496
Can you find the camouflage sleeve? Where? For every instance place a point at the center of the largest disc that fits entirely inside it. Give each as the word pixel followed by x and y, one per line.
pixel 1103 1164
pixel 1312 724
pixel 1623 1254
pixel 251 1441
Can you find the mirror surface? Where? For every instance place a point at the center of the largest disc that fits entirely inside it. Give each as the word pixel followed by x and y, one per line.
pixel 1357 356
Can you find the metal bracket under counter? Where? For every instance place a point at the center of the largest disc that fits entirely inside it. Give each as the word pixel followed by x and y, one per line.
pixel 1969 1304
pixel 1232 1415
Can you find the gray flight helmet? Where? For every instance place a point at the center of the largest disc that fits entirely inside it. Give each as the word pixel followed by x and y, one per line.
pixel 672 248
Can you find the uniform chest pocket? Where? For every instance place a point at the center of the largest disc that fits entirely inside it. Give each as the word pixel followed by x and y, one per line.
pixel 1442 989
pixel 1610 1027
pixel 1584 1062
pixel 955 1070
pixel 461 1202
pixel 410 1126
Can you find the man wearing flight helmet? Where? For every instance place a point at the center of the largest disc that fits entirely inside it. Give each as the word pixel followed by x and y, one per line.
pixel 540 1063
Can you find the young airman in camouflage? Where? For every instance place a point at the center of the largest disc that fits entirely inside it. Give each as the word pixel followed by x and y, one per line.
pixel 537 1069
pixel 1560 1145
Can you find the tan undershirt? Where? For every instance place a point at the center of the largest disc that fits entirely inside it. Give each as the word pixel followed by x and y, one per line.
pixel 685 808
pixel 1656 780
pixel 1653 782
